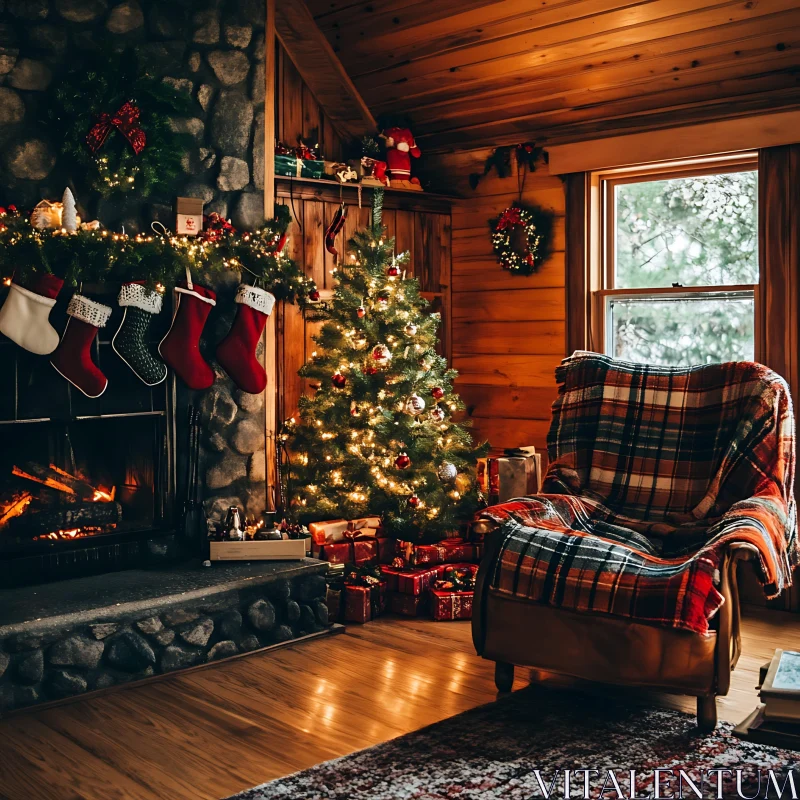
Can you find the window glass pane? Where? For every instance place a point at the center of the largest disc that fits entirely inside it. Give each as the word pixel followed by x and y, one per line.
pixel 698 231
pixel 682 331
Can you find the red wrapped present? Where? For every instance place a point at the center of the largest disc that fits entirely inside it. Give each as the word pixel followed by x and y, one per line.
pixel 446 551
pixel 389 574
pixel 418 581
pixel 451 605
pixel 363 603
pixel 333 600
pixel 456 577
pixel 340 530
pixel 367 550
pixel 409 605
pixel 388 550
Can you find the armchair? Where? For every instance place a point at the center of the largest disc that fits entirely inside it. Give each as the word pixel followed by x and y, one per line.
pixel 624 569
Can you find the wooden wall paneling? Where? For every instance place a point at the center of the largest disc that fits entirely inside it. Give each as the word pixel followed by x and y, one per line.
pixel 577 253
pixel 404 236
pixel 779 289
pixel 314 263
pixel 508 331
pixel 357 219
pixel 292 333
pixel 390 223
pixel 291 100
pixel 312 118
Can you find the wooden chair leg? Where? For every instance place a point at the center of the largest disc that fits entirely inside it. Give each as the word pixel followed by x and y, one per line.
pixel 707 713
pixel 503 676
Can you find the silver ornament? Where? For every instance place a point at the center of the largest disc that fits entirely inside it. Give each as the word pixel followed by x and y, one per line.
pixel 437 414
pixel 381 353
pixel 415 405
pixel 410 329
pixel 447 472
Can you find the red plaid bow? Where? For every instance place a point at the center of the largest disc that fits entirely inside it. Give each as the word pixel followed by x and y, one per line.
pixel 126 121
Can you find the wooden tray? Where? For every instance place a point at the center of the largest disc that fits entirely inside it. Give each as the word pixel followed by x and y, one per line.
pixel 268 550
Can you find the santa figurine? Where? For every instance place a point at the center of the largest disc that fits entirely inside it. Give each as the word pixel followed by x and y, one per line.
pixel 400 146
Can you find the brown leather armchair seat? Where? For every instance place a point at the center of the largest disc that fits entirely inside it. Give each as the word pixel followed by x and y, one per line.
pixel 607 649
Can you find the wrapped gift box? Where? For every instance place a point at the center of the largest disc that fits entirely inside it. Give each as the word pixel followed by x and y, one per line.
pixel 294 167
pixel 515 474
pixel 363 603
pixel 366 550
pixel 417 581
pixel 390 574
pixel 340 530
pixel 451 605
pixel 409 605
pixel 446 551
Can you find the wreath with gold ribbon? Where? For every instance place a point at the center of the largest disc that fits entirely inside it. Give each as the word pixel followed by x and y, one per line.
pixel 521 238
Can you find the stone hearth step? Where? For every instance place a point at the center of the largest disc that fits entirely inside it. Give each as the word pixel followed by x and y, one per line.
pixel 63 639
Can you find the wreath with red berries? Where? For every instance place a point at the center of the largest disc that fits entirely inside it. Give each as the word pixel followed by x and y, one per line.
pixel 521 238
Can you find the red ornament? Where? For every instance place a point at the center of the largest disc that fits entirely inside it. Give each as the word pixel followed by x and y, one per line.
pixel 12 209
pixel 369 369
pixel 338 380
pixel 402 461
pixel 313 295
pixel 361 312
pixel 393 271
pixel 413 501
pixel 2 211
pixel 437 392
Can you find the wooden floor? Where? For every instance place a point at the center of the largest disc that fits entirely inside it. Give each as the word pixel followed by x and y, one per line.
pixel 219 730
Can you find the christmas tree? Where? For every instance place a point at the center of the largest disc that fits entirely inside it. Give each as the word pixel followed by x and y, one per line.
pixel 377 437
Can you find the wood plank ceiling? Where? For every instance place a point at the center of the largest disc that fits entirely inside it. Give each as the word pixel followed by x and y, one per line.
pixel 477 72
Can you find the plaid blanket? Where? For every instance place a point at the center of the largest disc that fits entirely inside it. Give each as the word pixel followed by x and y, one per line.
pixel 653 471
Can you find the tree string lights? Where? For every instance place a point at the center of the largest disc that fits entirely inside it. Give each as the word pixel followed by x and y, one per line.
pixel 367 441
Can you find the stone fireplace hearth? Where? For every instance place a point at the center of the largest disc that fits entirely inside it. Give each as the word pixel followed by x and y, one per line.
pixel 67 638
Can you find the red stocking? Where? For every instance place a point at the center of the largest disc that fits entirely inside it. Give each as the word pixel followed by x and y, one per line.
pixel 180 348
pixel 73 356
pixel 237 352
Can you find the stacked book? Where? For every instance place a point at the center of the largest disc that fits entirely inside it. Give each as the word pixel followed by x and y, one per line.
pixel 776 719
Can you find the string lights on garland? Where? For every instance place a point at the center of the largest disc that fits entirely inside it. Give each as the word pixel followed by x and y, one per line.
pixel 158 259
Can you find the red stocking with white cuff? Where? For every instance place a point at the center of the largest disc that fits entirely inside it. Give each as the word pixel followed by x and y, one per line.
pixel 236 353
pixel 73 356
pixel 180 348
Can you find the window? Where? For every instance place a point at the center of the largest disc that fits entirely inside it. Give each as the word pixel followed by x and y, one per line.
pixel 680 263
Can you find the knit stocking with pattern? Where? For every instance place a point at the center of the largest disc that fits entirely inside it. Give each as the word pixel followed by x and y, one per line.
pixel 130 340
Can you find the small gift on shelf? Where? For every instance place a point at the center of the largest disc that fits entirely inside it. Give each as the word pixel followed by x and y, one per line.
pixel 298 162
pixel 517 473
pixel 364 594
pixel 409 605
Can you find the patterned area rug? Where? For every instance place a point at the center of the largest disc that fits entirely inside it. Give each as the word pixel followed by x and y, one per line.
pixel 520 747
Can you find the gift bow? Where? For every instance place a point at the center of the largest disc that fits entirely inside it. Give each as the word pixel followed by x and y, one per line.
pixel 360 529
pixel 126 121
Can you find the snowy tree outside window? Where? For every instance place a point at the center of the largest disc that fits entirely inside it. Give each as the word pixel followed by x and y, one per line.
pixel 693 241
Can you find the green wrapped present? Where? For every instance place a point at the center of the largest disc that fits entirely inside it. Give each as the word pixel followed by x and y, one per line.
pixel 294 167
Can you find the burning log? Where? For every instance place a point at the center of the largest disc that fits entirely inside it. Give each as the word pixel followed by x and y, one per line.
pixel 54 478
pixel 96 515
pixel 14 506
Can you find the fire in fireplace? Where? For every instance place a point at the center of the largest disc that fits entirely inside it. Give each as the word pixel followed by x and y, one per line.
pixel 86 485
